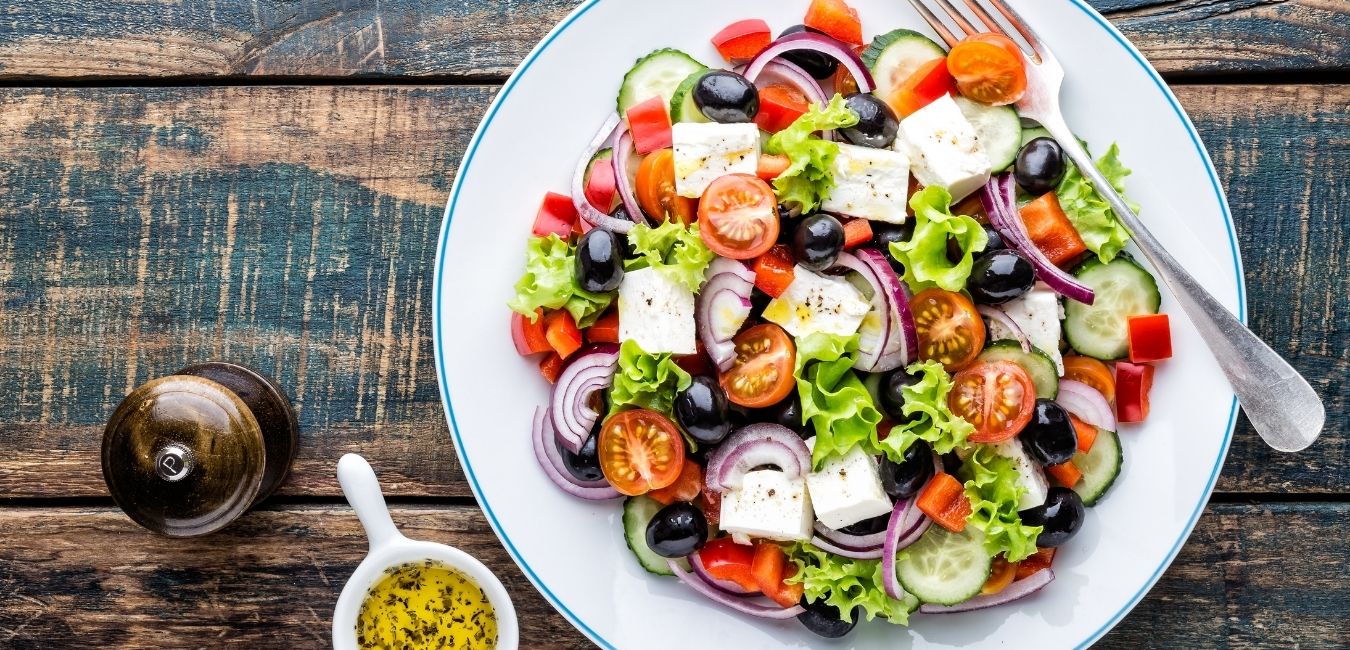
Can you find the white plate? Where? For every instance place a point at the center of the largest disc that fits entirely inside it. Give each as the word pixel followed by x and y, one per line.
pixel 574 551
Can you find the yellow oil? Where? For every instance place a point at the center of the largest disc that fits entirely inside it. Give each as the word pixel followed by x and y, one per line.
pixel 426 605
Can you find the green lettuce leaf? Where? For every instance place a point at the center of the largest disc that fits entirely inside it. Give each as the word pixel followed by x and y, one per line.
pixel 834 400
pixel 550 282
pixel 846 584
pixel 924 255
pixel 991 486
pixel 1090 214
pixel 809 179
pixel 929 417
pixel 645 380
pixel 672 249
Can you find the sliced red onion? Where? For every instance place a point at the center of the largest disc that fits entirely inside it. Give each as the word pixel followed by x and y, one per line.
pixel 1002 318
pixel 999 202
pixel 830 547
pixel 590 371
pixel 623 152
pixel 723 306
pixel 738 603
pixel 815 43
pixel 583 205
pixel 1087 403
pixel 752 446
pixel 724 585
pixel 854 542
pixel 1015 591
pixel 915 533
pixel 893 341
pixel 792 75
pixel 550 459
pixel 722 265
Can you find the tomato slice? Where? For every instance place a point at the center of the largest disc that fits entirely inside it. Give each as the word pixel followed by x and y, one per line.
pixel 724 559
pixel 996 397
pixel 1092 372
pixel 655 189
pixel 649 122
pixel 1150 338
pixel 685 488
pixel 988 68
pixel 1041 559
pixel 640 451
pixel 950 331
pixel 779 107
pixel 762 373
pixel 604 330
pixel 772 166
pixel 929 82
pixel 1000 576
pixel 738 216
pixel 742 40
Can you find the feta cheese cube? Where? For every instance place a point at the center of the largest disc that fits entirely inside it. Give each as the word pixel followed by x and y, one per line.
pixel 847 490
pixel 1038 314
pixel 768 505
pixel 1029 474
pixel 870 184
pixel 705 152
pixel 944 149
pixel 818 303
pixel 656 312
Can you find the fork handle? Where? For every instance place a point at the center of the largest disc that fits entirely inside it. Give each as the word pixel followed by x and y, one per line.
pixel 1283 408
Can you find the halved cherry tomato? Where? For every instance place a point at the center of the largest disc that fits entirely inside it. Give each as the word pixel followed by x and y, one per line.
pixel 724 559
pixel 1065 473
pixel 604 330
pixel 1091 372
pixel 927 83
pixel 857 232
pixel 988 68
pixel 562 333
pixel 772 166
pixel 528 335
pixel 640 451
pixel 1133 382
pixel 551 367
pixel 762 373
pixel 649 122
pixel 1050 229
pixel 685 488
pixel 1041 559
pixel 770 567
pixel 1000 576
pixel 1150 338
pixel 779 107
pixel 944 500
pixel 996 397
pixel 775 271
pixel 556 216
pixel 835 18
pixel 1086 433
pixel 738 216
pixel 950 331
pixel 742 40
pixel 655 189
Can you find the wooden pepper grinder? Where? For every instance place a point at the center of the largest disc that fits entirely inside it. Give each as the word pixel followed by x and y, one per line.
pixel 185 455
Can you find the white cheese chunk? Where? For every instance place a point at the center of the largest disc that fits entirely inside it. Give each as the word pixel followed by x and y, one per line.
pixel 1029 474
pixel 656 312
pixel 870 184
pixel 768 505
pixel 1038 314
pixel 944 149
pixel 705 152
pixel 847 490
pixel 817 303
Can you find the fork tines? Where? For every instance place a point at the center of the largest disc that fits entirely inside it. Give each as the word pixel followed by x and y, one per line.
pixel 981 10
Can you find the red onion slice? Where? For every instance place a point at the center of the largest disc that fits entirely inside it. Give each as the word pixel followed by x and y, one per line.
pixel 853 542
pixel 550 459
pixel 761 443
pixel 721 265
pixel 583 205
pixel 623 152
pixel 1002 318
pixel 728 586
pixel 1015 591
pixel 907 524
pixel 1087 403
pixel 830 547
pixel 591 370
pixel 737 603
pixel 723 306
pixel 1000 203
pixel 815 43
pixel 890 304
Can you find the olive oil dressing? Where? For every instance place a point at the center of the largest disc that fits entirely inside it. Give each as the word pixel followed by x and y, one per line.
pixel 426 604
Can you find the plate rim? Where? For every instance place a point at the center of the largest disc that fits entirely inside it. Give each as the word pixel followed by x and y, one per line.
pixel 443 383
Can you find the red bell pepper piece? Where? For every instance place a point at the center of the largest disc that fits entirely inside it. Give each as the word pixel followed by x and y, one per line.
pixel 774 271
pixel 724 559
pixel 742 40
pixel 857 232
pixel 771 567
pixel 601 185
pixel 925 85
pixel 1133 382
pixel 1051 230
pixel 1150 338
pixel 551 367
pixel 605 330
pixel 944 500
pixel 562 333
pixel 649 123
pixel 779 107
pixel 836 18
pixel 556 216
pixel 1066 473
pixel 528 335
pixel 772 166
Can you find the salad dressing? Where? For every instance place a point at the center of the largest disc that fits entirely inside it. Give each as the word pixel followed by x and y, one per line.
pixel 426 605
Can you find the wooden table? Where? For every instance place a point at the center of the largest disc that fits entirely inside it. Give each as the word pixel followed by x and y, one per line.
pixel 263 182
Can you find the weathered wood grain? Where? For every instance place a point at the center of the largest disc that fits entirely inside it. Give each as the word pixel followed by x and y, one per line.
pixel 454 38
pixel 1251 576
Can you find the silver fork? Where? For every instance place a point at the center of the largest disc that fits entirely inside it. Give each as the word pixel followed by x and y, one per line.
pixel 1279 402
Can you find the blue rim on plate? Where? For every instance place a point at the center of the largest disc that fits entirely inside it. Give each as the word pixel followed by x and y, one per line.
pixel 445 388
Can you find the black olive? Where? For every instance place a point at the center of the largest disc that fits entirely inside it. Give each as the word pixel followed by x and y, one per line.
pixel 876 125
pixel 1061 516
pixel 789 414
pixel 677 530
pixel 817 65
pixel 787 225
pixel 724 96
pixel 868 526
pixel 1049 437
pixel 1039 166
pixel 585 464
pixel 599 261
pixel 823 619
pixel 1000 276
pixel 703 411
pixel 817 241
pixel 883 234
pixel 740 417
pixel 758 301
pixel 904 479
pixel 994 242
pixel 892 394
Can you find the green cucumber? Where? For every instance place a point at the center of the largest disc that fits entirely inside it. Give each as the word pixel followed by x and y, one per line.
pixel 1030 133
pixel 998 128
pixel 637 513
pixel 894 56
pixel 943 567
pixel 1122 289
pixel 658 74
pixel 1039 366
pixel 1100 466
pixel 682 105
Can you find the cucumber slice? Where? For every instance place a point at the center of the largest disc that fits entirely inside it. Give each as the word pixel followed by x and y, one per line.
pixel 657 74
pixel 943 567
pixel 1123 289
pixel 1100 467
pixel 682 106
pixel 894 56
pixel 1044 374
pixel 1031 133
pixel 637 513
pixel 998 128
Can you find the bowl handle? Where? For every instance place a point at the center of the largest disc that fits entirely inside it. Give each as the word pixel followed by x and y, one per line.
pixel 363 493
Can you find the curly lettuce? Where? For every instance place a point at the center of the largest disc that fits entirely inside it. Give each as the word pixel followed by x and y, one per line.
pixel 834 401
pixel 550 282
pixel 644 380
pixel 1090 214
pixel 992 487
pixel 924 255
pixel 672 249
pixel 929 417
pixel 846 584
pixel 809 179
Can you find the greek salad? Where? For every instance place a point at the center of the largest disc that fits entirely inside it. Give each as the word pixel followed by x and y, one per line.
pixel 847 335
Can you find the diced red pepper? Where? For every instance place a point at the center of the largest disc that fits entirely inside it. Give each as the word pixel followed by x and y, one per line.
pixel 529 335
pixel 685 488
pixel 772 166
pixel 711 502
pixel 1087 434
pixel 1150 338
pixel 857 232
pixel 562 333
pixel 742 40
pixel 779 107
pixel 924 86
pixel 1133 382
pixel 694 364
pixel 774 271
pixel 601 185
pixel 606 329
pixel 556 216
pixel 1066 473
pixel 836 18
pixel 944 500
pixel 1051 230
pixel 551 367
pixel 649 123
pixel 724 559
pixel 1041 559
pixel 770 567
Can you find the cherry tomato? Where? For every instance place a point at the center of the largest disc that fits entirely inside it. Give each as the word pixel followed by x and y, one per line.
pixel 950 331
pixel 1000 576
pixel 738 216
pixel 988 68
pixel 685 488
pixel 655 189
pixel 762 373
pixel 640 451
pixel 996 397
pixel 1091 372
